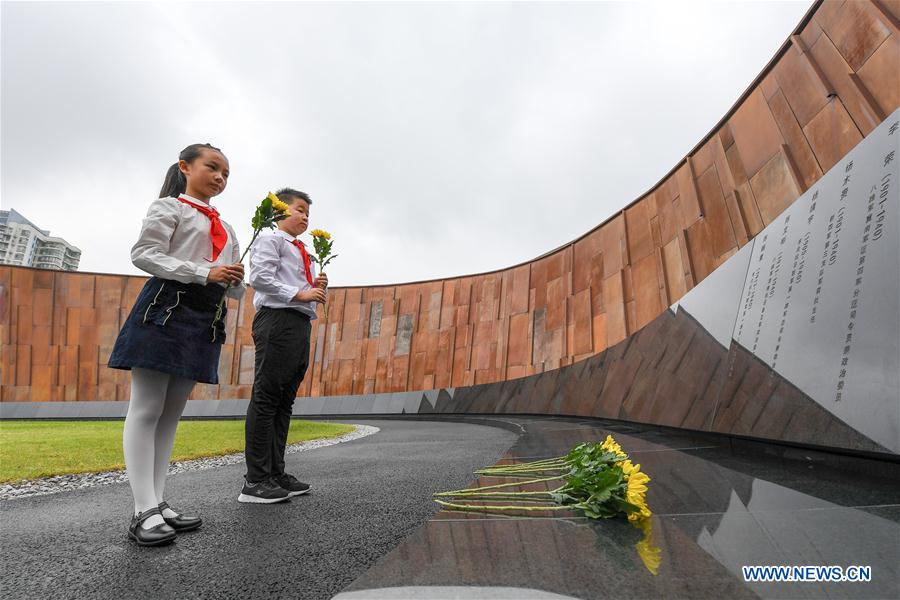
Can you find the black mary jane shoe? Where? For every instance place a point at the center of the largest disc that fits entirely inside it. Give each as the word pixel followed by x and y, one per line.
pixel 155 536
pixel 180 523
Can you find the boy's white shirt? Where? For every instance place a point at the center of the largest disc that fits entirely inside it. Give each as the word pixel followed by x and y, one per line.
pixel 175 243
pixel 277 273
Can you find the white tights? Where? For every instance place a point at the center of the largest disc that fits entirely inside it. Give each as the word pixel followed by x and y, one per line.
pixel 157 401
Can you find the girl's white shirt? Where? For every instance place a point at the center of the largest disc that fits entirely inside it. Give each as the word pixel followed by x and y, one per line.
pixel 175 243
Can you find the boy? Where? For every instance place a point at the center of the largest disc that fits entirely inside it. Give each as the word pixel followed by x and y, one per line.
pixel 286 294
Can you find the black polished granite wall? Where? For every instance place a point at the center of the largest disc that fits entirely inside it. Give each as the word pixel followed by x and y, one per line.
pixel 714 511
pixel 672 373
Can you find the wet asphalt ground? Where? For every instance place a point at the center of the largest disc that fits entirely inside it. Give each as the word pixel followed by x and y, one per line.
pixel 367 495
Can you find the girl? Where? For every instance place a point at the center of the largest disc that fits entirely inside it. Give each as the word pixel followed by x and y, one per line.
pixel 168 341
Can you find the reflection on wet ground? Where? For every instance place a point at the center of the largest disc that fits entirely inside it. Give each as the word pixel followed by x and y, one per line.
pixel 714 512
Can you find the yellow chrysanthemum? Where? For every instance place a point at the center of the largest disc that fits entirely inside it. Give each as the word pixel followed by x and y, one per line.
pixel 610 445
pixel 637 489
pixel 320 233
pixel 278 205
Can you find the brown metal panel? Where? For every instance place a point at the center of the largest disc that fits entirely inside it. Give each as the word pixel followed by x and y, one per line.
pixel 737 219
pixel 88 367
pixel 674 271
pixel 646 285
pixel 41 350
pixel 857 30
pixel 246 366
pixel 556 304
pixel 22 364
pixel 615 309
pixel 688 198
pixel 24 320
pixel 810 33
pixel 23 278
pixel 584 251
pixel 774 188
pixel 715 212
pixel 689 278
pixel 801 84
pixel 700 252
pixel 519 341
pixel 43 279
pixel 744 193
pixel 828 11
pixel 831 135
pixel 40 383
pixel 756 133
pixel 703 157
pixel 807 165
pixel 890 10
pixel 637 225
pixel 627 285
pixel 879 75
pixel 611 236
pixel 726 136
pixel 581 317
pixel 837 71
pixel 667 217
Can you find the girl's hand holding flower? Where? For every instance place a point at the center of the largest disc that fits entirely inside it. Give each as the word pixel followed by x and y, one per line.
pixel 267 214
pixel 321 281
pixel 227 274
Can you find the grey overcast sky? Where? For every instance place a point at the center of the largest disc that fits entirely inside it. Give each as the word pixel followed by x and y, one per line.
pixel 436 139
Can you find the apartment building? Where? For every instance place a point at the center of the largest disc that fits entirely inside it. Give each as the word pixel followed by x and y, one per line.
pixel 24 243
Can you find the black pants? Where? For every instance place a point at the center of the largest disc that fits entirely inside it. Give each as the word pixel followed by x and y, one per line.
pixel 281 336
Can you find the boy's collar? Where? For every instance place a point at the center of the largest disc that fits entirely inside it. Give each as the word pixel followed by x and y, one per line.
pixel 285 234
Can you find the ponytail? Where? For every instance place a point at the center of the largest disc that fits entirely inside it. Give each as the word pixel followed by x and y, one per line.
pixel 175 182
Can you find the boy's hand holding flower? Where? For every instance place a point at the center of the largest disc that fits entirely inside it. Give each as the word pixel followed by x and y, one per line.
pixel 315 294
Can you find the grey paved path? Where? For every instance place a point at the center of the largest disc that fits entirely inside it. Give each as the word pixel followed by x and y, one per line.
pixel 367 496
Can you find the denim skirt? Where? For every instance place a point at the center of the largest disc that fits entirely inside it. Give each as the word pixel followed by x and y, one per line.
pixel 170 329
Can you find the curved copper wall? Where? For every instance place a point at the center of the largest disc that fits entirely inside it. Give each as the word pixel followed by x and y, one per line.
pixel 829 86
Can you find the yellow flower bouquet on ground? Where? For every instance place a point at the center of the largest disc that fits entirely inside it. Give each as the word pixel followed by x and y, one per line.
pixel 598 479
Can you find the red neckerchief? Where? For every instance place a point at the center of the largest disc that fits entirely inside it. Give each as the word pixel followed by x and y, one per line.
pixel 305 256
pixel 216 229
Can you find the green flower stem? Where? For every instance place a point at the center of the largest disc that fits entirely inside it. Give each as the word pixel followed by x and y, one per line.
pixel 220 307
pixel 514 471
pixel 492 494
pixel 487 507
pixel 557 459
pixel 501 485
pixel 536 463
pixel 512 497
pixel 525 467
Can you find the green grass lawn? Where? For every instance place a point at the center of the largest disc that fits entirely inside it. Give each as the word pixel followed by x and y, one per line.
pixel 32 449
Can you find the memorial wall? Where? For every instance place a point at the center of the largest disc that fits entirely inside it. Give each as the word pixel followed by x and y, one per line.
pixel 623 307
pixel 795 338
